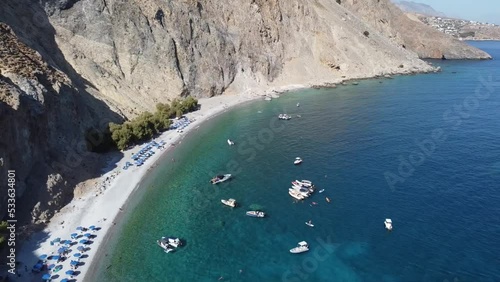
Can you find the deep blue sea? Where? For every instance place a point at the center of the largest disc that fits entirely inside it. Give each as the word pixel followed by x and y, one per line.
pixel 423 150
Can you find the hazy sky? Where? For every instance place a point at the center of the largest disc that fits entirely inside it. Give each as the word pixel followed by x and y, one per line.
pixel 479 10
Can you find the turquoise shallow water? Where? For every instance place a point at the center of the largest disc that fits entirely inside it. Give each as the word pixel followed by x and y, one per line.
pixel 443 200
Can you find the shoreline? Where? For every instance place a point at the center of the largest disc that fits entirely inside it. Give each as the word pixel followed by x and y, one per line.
pixel 108 204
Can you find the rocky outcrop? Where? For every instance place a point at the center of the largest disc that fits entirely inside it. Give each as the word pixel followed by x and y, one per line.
pixel 68 67
pixel 413 35
pixel 138 53
pixel 44 120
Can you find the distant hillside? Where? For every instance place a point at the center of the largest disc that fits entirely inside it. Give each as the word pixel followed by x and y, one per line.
pixel 419 8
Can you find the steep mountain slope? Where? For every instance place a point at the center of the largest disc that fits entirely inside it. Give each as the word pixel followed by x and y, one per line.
pixel 414 35
pixel 68 67
pixel 158 49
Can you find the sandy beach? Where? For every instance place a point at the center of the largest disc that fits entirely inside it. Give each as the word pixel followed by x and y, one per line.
pixel 104 202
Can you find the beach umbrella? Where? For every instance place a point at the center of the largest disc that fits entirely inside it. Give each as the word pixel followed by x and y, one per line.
pixel 67 242
pixel 74 235
pixel 62 249
pixel 70 272
pixel 79 228
pixel 77 255
pixel 83 241
pixel 81 248
pixel 59 267
pixel 73 262
pixel 87 235
pixel 46 276
pixel 43 257
pixel 54 257
pixel 57 240
pixel 65 280
pixel 51 266
pixel 92 227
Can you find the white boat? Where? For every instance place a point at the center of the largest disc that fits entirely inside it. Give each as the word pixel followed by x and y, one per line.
pixel 297 161
pixel 295 194
pixel 322 190
pixel 231 143
pixel 267 98
pixel 388 224
pixel 301 247
pixel 256 213
pixel 298 104
pixel 302 191
pixel 168 247
pixel 309 223
pixel 297 184
pixel 284 116
pixel 174 242
pixel 327 199
pixel 220 178
pixel 229 202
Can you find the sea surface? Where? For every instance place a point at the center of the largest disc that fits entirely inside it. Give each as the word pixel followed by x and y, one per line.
pixel 423 150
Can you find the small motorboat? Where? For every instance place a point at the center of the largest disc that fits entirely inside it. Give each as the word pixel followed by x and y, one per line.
pixel 231 143
pixel 302 191
pixel 220 178
pixel 297 161
pixel 301 247
pixel 284 117
pixel 256 214
pixel 229 202
pixel 309 223
pixel 304 183
pixel 295 194
pixel 164 244
pixel 298 104
pixel 388 224
pixel 322 190
pixel 174 242
pixel 327 199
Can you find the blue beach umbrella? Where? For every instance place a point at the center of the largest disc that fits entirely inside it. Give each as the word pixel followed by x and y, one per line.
pixel 81 248
pixel 62 250
pixel 79 228
pixel 54 257
pixel 46 276
pixel 77 255
pixel 56 240
pixel 67 242
pixel 87 235
pixel 73 262
pixel 70 272
pixel 43 257
pixel 83 241
pixel 65 280
pixel 51 266
pixel 74 235
pixel 92 227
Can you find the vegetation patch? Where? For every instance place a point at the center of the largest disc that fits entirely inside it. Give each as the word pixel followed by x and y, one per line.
pixel 147 125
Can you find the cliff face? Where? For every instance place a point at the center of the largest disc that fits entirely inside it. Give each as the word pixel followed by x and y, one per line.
pixel 427 42
pixel 138 53
pixel 68 66
pixel 44 118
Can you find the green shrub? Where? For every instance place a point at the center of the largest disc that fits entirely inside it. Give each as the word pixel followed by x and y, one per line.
pixel 147 125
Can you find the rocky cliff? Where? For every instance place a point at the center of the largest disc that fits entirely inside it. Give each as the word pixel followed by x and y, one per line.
pixel 68 67
pixel 427 42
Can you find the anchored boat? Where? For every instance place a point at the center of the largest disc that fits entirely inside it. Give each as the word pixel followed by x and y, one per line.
pixel 220 178
pixel 256 213
pixel 388 224
pixel 297 161
pixel 229 202
pixel 301 247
